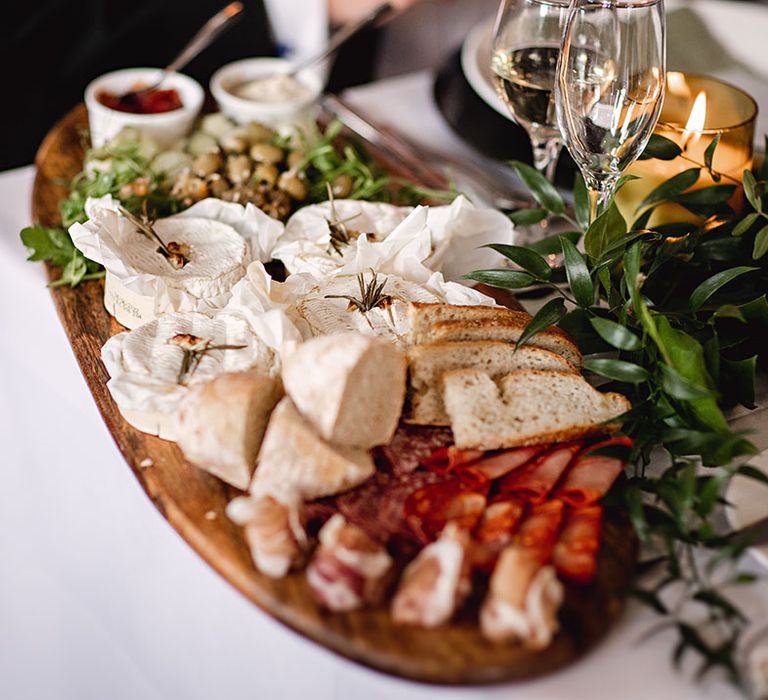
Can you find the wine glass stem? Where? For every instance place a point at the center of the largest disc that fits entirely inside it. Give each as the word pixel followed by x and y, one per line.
pixel 599 194
pixel 545 155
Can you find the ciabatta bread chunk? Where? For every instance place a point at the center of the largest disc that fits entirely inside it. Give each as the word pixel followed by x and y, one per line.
pixel 451 323
pixel 428 363
pixel 222 422
pixel 527 407
pixel 351 387
pixel 295 464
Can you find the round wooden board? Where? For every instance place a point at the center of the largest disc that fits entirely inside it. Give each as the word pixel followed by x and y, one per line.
pixel 187 496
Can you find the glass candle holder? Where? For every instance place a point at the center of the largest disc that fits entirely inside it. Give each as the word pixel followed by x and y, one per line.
pixel 696 109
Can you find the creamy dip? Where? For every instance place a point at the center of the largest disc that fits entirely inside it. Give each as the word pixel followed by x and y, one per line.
pixel 272 88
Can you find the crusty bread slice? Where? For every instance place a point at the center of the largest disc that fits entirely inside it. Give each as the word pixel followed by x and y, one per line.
pixel 449 323
pixel 351 387
pixel 222 422
pixel 526 408
pixel 428 362
pixel 295 464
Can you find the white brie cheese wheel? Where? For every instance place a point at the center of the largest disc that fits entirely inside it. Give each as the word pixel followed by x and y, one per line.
pixel 336 315
pixel 217 260
pixel 144 366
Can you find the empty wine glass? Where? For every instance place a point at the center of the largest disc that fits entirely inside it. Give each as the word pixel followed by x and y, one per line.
pixel 526 44
pixel 610 85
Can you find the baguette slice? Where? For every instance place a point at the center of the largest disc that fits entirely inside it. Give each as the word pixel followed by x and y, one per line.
pixel 428 363
pixel 450 323
pixel 349 386
pixel 222 422
pixel 526 408
pixel 296 464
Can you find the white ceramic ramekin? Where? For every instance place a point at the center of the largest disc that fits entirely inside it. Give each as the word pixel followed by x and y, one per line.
pixel 164 128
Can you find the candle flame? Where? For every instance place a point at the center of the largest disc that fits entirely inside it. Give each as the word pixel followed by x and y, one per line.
pixel 696 120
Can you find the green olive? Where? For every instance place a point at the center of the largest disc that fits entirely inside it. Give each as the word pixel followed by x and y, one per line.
pixel 238 168
pixel 259 133
pixel 235 142
pixel 206 164
pixel 217 185
pixel 266 173
pixel 294 158
pixel 341 186
pixel 266 153
pixel 293 186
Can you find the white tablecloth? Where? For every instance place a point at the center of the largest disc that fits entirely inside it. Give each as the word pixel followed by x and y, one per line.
pixel 100 598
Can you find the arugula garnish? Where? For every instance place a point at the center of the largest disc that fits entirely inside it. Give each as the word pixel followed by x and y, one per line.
pixel 54 245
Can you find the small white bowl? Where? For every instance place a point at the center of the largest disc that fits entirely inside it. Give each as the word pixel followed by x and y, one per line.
pixel 283 116
pixel 164 127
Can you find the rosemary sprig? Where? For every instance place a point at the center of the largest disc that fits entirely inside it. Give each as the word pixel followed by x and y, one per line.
pixel 341 237
pixel 177 254
pixel 371 295
pixel 194 349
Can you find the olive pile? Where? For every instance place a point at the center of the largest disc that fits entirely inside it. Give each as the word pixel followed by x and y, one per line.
pixel 237 164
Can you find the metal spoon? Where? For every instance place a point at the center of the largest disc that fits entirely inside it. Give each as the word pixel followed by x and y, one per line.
pixel 208 32
pixel 341 36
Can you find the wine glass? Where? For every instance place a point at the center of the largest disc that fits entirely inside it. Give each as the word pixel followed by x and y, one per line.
pixel 610 85
pixel 526 45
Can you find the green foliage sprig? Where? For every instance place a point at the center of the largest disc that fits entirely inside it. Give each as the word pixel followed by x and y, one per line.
pixel 670 317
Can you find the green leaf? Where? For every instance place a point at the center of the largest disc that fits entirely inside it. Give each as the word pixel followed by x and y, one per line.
pixel 526 258
pixel 751 190
pixel 51 244
pixel 709 286
pixel 615 334
pixel 527 217
pixel 714 194
pixel 753 473
pixel 506 279
pixel 661 148
pixel 672 187
pixel 641 222
pixel 709 155
pixel 541 189
pixel 551 244
pixel 578 274
pixel 581 201
pixel 756 311
pixel 729 311
pixel 634 498
pixel 650 599
pixel 738 379
pixel 745 224
pixel 605 229
pixel 761 243
pixel 623 180
pixel 716 600
pixel 678 387
pixel 548 315
pixel 619 370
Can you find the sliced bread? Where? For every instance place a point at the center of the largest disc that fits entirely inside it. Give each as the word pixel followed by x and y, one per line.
pixel 527 407
pixel 296 464
pixel 428 362
pixel 450 322
pixel 350 386
pixel 222 422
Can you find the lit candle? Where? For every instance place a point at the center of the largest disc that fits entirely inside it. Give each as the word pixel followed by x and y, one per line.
pixel 696 109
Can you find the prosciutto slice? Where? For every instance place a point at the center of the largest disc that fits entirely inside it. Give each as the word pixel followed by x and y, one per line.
pixel 575 554
pixel 478 467
pixel 496 464
pixel 539 529
pixel 591 475
pixel 536 480
pixel 495 531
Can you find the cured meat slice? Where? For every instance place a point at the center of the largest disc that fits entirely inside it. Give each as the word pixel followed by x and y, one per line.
pixel 446 460
pixel 435 582
pixel 537 479
pixel 429 508
pixel 539 529
pixel 412 445
pixel 497 464
pixel 523 600
pixel 591 475
pixel 349 568
pixel 495 531
pixel 575 554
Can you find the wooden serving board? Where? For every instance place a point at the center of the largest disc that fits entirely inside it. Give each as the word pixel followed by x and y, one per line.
pixel 194 502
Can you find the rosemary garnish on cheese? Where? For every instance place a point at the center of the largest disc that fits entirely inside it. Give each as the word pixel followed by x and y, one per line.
pixel 340 235
pixel 177 254
pixel 194 349
pixel 371 295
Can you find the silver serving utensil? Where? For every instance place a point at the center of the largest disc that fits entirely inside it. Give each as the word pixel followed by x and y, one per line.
pixel 208 32
pixel 341 36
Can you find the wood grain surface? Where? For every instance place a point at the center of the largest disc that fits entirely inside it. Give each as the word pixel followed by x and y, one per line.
pixel 194 502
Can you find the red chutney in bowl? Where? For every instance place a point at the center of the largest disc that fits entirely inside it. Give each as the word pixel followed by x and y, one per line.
pixel 145 102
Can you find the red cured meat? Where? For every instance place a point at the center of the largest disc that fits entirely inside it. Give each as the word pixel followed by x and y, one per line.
pixel 429 508
pixel 575 554
pixel 446 460
pixel 411 445
pixel 536 480
pixel 497 464
pixel 539 530
pixel 495 531
pixel 591 476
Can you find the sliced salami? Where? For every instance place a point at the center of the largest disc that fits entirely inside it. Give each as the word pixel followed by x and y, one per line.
pixel 536 480
pixel 591 475
pixel 411 446
pixel 539 530
pixel 575 554
pixel 429 508
pixel 495 531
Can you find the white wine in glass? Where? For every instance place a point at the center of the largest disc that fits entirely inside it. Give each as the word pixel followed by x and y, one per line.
pixel 610 87
pixel 526 45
